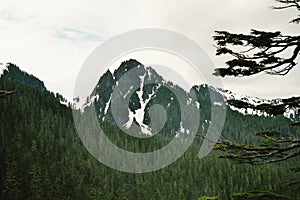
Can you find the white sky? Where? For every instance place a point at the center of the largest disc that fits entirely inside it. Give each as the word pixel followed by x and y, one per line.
pixel 52 39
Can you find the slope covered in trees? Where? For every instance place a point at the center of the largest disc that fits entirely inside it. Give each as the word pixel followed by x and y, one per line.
pixel 41 157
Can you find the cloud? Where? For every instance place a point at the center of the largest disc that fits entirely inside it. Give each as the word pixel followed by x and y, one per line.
pixel 7 16
pixel 77 35
pixel 52 39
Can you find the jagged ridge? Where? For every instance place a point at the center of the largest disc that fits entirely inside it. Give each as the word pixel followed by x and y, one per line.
pixel 144 97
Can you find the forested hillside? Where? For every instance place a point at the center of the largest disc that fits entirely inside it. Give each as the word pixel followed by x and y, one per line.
pixel 41 156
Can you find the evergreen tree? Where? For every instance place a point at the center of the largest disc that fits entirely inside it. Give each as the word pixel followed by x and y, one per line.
pixel 261 52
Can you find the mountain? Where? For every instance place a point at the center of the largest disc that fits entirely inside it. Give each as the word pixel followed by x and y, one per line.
pixel 141 97
pixel 292 113
pixel 11 72
pixel 142 87
pixel 42 156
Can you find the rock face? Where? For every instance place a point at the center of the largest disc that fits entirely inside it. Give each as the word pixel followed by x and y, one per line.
pixel 133 95
pixel 137 96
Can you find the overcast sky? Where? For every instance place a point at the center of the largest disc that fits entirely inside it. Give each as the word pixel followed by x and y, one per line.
pixel 52 39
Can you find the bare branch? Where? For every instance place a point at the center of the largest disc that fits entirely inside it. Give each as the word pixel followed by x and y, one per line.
pixel 275 149
pixel 5 94
pixel 259 51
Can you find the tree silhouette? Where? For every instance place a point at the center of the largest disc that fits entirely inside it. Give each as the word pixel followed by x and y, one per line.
pixel 261 53
pixel 258 52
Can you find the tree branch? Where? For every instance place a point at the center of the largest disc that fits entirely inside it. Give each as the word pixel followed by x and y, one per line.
pixel 260 51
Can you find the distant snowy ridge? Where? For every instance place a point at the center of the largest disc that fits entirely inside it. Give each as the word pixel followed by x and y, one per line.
pixel 291 113
pixel 228 95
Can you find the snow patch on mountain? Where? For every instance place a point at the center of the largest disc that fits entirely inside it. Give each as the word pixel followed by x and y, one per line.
pixel 128 92
pixel 292 113
pixel 228 95
pixel 189 101
pixel 79 103
pixel 82 102
pixel 130 117
pixel 107 106
pixel 145 129
pixel 197 104
pixel 248 99
pixel 139 113
pixel 66 103
pixel 216 103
